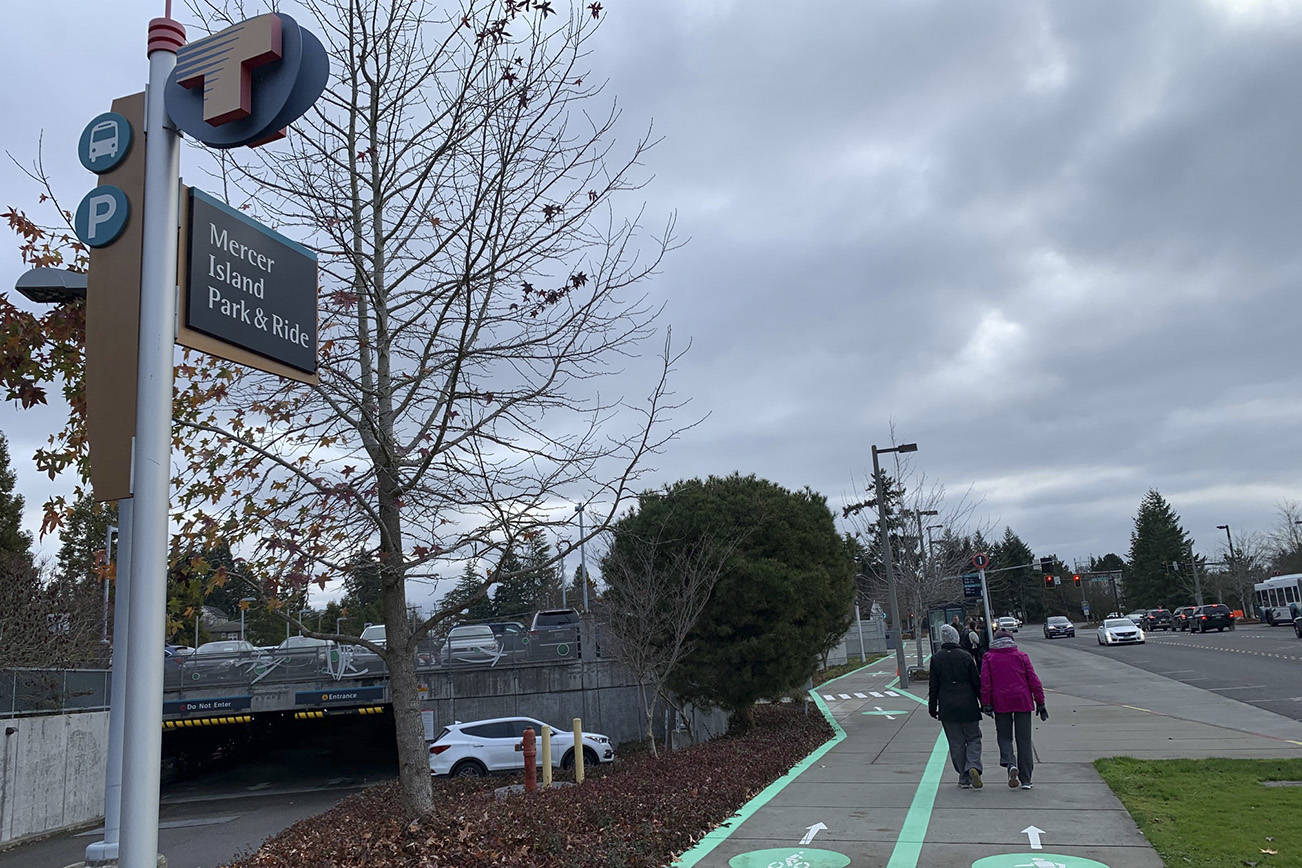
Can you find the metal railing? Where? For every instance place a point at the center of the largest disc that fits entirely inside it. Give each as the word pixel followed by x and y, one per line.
pixel 47 691
pixel 495 644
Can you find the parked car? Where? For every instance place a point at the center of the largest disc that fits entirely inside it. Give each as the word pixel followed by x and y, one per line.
pixel 1181 617
pixel 1138 617
pixel 1157 619
pixel 1214 616
pixel 478 747
pixel 1120 631
pixel 556 630
pixel 227 648
pixel 1007 623
pixel 374 633
pixel 471 643
pixel 1059 626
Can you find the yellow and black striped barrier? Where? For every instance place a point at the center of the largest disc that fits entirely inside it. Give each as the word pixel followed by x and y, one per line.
pixel 192 722
pixel 319 713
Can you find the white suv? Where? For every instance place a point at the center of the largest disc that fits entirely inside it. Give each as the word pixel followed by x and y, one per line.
pixel 478 747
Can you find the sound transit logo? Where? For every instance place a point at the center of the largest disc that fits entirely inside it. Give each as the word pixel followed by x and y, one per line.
pixel 244 85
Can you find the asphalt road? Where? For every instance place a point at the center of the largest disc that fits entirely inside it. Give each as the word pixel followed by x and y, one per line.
pixel 1253 664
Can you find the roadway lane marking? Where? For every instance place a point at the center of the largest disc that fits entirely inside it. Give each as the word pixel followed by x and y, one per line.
pixel 891 693
pixel 829 697
pixel 1247 687
pixel 875 693
pixel 845 696
pixel 860 696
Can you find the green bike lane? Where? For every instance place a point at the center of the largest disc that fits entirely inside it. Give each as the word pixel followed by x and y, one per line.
pixel 882 793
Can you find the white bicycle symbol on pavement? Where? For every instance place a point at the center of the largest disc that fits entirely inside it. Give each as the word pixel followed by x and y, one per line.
pixel 795 860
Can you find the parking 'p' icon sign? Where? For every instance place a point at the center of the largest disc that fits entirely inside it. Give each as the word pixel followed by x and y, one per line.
pixel 101 216
pixel 104 143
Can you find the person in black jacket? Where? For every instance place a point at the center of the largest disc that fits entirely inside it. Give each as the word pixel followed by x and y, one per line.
pixel 953 697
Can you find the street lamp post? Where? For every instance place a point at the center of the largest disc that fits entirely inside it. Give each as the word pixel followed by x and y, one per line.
pixel 926 563
pixel 1234 561
pixel 243 609
pixel 583 557
pixel 60 286
pixel 884 536
pixel 339 621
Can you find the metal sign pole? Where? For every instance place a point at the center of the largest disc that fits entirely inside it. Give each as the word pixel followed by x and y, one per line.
pixel 985 598
pixel 151 462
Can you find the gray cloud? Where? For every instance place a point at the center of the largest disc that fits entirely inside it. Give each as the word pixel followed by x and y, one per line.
pixel 1053 243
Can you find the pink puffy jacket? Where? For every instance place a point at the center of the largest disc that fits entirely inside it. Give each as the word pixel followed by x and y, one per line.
pixel 1009 682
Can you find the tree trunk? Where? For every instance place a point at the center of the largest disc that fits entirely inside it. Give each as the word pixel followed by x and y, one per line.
pixel 413 762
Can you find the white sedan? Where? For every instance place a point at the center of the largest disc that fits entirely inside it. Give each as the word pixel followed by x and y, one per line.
pixel 477 747
pixel 1120 631
pixel 1008 623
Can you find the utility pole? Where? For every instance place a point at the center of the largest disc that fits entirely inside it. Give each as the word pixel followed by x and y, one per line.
pixel 583 556
pixel 884 537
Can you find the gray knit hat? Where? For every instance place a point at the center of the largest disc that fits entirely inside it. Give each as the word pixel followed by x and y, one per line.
pixel 948 634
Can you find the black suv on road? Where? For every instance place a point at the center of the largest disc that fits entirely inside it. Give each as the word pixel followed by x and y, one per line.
pixel 1181 617
pixel 1215 616
pixel 1157 619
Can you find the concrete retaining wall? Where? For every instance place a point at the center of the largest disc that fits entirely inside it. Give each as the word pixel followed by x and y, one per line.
pixel 600 692
pixel 51 772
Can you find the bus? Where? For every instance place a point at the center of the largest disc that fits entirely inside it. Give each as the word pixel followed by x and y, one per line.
pixel 1279 598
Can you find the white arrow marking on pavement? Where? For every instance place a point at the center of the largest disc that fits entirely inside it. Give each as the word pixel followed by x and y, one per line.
pixel 813 830
pixel 875 693
pixel 1033 834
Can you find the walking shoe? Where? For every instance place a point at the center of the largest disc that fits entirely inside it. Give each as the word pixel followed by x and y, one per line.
pixel 964 785
pixel 1027 785
pixel 1013 782
pixel 976 779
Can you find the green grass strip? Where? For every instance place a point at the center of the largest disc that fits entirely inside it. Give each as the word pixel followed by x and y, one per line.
pixel 1212 813
pixel 720 833
pixel 861 667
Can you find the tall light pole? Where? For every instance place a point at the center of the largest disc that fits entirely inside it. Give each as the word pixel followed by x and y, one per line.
pixel 583 557
pixel 1234 561
pixel 883 534
pixel 243 609
pixel 60 286
pixel 917 631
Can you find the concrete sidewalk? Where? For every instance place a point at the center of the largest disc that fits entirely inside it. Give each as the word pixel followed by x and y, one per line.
pixel 884 794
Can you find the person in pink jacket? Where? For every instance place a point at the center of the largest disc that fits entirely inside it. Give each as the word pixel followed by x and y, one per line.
pixel 1010 689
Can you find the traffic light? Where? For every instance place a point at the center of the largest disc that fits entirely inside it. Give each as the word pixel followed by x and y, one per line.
pixel 1048 581
pixel 1075 580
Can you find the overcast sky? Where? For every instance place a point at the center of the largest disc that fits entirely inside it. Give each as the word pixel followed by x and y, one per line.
pixel 1055 244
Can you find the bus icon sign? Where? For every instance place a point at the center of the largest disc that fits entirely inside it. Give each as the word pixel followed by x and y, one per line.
pixel 104 143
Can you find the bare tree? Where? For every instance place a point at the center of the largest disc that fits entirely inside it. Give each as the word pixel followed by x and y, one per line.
pixel 478 284
pixel 656 591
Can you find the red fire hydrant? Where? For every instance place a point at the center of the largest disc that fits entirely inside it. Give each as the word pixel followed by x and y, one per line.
pixel 530 762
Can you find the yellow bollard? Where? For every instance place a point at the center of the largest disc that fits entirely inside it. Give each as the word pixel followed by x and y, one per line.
pixel 578 750
pixel 547 755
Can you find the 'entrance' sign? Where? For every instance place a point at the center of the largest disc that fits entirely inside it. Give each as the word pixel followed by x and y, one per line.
pixel 249 286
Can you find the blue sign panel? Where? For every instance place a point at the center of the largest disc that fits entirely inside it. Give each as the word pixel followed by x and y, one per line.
pixel 101 216
pixel 105 142
pixel 972 586
pixel 340 695
pixel 245 84
pixel 219 705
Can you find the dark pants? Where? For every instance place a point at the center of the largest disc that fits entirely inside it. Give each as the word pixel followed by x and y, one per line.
pixel 964 745
pixel 1008 723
